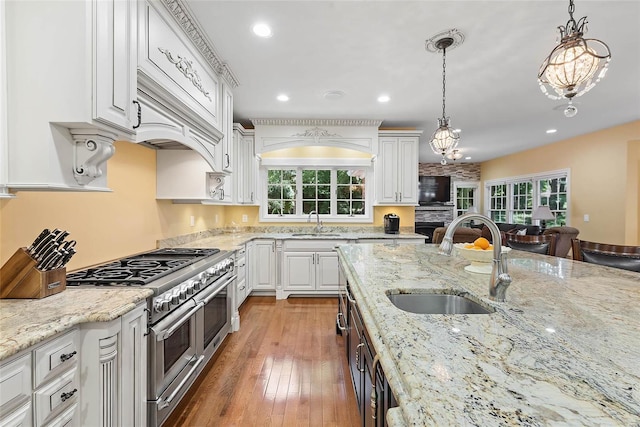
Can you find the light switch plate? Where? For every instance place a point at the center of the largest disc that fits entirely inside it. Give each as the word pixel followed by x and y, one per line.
pixel 586 217
pixel 245 218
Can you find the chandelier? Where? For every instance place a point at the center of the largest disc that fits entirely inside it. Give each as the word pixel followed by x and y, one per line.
pixel 454 155
pixel 445 139
pixel 574 66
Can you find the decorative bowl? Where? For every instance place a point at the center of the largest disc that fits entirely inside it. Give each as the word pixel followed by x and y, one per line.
pixel 481 259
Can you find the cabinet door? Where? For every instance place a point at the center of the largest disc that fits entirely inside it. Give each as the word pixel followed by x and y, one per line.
pixel 327 271
pixel 298 271
pixel 115 26
pixel 265 266
pixel 387 170
pixel 15 391
pixel 408 170
pixel 227 129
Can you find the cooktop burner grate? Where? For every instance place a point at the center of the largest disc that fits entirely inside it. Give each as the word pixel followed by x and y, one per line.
pixel 139 270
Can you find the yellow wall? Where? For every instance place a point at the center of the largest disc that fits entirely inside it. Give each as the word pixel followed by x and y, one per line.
pixel 604 175
pixel 234 214
pixel 105 225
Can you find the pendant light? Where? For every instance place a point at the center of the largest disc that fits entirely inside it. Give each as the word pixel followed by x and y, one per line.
pixel 445 139
pixel 574 66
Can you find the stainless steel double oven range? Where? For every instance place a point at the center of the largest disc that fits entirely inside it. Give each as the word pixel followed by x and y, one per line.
pixel 189 314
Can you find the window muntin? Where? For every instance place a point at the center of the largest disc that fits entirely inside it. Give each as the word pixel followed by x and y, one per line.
pixel 465 198
pixel 521 202
pixel 332 192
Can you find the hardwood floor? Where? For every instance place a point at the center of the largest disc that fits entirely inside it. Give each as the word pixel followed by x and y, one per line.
pixel 284 367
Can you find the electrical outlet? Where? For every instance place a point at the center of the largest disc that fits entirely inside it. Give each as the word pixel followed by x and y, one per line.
pixel 245 218
pixel 192 221
pixel 586 217
pixel 216 218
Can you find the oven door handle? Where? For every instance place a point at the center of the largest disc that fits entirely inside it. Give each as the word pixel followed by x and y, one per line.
pixel 163 404
pixel 166 333
pixel 206 300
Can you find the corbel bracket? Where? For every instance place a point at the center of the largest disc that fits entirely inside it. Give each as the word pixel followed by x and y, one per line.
pixel 91 150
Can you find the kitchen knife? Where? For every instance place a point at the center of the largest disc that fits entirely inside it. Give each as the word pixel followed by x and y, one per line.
pixel 46 250
pixel 37 250
pixel 65 258
pixel 38 239
pixel 49 260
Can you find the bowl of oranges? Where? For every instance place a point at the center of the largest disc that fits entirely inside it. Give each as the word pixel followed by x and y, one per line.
pixel 480 253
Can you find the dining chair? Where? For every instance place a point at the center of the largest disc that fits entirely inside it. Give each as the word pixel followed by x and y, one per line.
pixel 618 256
pixel 541 244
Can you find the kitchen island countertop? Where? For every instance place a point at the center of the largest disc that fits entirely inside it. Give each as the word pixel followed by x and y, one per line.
pixel 563 350
pixel 25 322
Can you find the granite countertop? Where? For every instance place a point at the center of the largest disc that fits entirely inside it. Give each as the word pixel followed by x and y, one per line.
pixel 25 322
pixel 233 241
pixel 563 350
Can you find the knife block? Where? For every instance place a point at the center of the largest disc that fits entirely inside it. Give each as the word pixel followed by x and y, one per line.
pixel 19 278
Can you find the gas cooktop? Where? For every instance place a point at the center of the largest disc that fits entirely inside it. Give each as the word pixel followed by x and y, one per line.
pixel 141 269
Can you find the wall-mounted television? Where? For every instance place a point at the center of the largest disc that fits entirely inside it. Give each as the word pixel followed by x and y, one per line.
pixel 434 190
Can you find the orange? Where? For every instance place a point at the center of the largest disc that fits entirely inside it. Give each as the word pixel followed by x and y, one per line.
pixel 481 242
pixel 468 246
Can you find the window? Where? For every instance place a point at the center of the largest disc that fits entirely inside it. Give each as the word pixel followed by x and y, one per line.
pixel 281 192
pixel 553 193
pixel 498 202
pixel 513 200
pixel 335 192
pixel 466 196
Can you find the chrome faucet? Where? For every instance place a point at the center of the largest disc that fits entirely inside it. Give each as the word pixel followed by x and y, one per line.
pixel 318 222
pixel 500 279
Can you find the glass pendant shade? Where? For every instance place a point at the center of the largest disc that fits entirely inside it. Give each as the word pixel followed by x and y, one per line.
pixel 444 139
pixel 574 66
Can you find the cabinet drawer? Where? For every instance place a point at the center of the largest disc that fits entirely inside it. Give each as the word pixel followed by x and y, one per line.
pixel 68 418
pixel 55 397
pixel 55 357
pixel 15 383
pixel 20 417
pixel 312 245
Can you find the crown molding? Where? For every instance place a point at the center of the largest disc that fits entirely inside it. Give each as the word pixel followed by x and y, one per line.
pixel 189 24
pixel 317 122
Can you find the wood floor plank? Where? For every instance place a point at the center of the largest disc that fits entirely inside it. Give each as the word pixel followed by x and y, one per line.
pixel 284 367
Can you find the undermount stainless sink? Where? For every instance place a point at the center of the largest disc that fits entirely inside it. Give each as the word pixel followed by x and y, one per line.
pixel 430 303
pixel 315 234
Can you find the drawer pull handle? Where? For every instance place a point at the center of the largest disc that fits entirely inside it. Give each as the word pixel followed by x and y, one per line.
pixel 67 356
pixel 69 395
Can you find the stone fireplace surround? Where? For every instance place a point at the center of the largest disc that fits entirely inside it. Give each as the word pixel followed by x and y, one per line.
pixel 457 172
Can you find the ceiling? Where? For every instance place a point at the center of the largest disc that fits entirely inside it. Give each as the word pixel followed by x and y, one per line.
pixel 369 48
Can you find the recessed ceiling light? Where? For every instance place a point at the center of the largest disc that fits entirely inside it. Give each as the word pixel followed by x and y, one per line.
pixel 282 98
pixel 334 94
pixel 552 130
pixel 384 98
pixel 457 130
pixel 468 158
pixel 262 30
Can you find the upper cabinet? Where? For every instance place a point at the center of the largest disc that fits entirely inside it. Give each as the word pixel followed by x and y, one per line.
pixel 396 168
pixel 246 166
pixel 81 74
pixel 71 87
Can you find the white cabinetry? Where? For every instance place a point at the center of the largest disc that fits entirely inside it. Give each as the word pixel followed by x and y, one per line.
pixel 309 267
pixel 114 371
pixel 263 265
pixel 41 386
pixel 396 168
pixel 228 154
pixel 185 177
pixel 246 166
pixel 71 79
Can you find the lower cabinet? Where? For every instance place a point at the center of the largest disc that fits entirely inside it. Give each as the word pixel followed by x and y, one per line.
pixel 40 386
pixel 262 265
pixel 310 266
pixel 366 372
